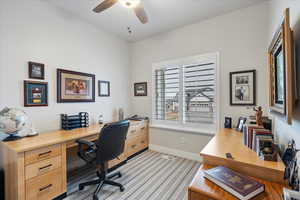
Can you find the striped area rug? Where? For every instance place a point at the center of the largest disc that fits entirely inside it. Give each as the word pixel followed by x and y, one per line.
pixel 148 176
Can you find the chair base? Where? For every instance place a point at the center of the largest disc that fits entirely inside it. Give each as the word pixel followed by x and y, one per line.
pixel 101 181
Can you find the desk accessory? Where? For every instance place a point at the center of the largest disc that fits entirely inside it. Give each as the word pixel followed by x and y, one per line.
pixel 235 183
pixel 240 124
pixel 228 122
pixel 69 122
pixel 16 124
pixel 100 120
pixel 268 151
pixel 121 114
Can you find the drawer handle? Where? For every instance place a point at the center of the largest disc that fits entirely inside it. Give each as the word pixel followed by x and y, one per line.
pixel 46 167
pixel 133 131
pixel 133 146
pixel 45 154
pixel 46 187
pixel 143 128
pixel 143 142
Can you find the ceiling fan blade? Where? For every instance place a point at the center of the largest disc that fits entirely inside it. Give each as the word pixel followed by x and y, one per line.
pixel 141 13
pixel 104 5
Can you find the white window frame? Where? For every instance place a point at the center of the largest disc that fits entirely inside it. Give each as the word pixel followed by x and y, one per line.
pixel 204 128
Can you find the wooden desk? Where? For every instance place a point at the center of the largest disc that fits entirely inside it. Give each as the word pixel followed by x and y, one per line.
pixel 203 189
pixel 36 167
pixel 245 161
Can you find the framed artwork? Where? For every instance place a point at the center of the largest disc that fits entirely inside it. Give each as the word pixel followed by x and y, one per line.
pixel 36 70
pixel 240 124
pixel 35 93
pixel 103 88
pixel 243 88
pixel 281 68
pixel 140 89
pixel 75 87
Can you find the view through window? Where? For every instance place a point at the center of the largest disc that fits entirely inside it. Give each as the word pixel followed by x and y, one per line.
pixel 185 91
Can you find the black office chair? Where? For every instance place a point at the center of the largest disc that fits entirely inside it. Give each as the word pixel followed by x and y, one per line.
pixel 110 145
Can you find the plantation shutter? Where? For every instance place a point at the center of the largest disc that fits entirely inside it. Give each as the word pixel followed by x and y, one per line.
pixel 167 88
pixel 199 93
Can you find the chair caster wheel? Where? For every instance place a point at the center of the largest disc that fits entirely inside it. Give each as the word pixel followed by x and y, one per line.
pixel 122 189
pixel 119 175
pixel 81 187
pixel 95 197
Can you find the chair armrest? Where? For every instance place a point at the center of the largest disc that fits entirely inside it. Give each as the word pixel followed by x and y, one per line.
pixel 86 154
pixel 85 142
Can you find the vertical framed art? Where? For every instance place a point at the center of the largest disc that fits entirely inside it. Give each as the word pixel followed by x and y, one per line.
pixel 282 70
pixel 103 88
pixel 140 89
pixel 243 88
pixel 35 93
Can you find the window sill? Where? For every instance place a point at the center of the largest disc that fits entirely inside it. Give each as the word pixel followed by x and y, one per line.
pixel 208 132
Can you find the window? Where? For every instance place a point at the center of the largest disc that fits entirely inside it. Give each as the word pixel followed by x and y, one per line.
pixel 185 92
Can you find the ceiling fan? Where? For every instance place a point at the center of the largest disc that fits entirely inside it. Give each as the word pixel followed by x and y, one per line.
pixel 135 5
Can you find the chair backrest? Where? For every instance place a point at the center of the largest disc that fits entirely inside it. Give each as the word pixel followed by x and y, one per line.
pixel 111 142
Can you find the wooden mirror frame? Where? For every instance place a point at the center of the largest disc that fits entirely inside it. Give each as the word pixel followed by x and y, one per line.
pixel 283 38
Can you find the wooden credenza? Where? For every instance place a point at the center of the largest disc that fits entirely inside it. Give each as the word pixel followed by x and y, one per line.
pixel 36 167
pixel 245 161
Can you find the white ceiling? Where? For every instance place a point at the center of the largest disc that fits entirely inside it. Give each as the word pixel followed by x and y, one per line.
pixel 164 15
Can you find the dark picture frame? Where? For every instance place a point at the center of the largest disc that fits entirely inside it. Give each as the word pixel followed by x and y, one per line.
pixel 103 88
pixel 243 88
pixel 140 89
pixel 35 93
pixel 75 87
pixel 282 70
pixel 36 70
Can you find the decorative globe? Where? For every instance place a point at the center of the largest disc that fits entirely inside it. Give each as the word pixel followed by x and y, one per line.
pixel 15 122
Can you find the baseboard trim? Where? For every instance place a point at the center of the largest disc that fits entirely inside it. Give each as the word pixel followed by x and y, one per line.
pixel 175 152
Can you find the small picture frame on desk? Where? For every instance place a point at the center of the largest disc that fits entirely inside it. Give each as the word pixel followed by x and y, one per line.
pixel 240 124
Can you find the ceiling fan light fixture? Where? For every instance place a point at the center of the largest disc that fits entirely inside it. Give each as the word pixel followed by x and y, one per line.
pixel 130 3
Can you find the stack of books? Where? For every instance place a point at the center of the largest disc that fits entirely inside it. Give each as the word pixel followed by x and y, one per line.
pixel 255 136
pixel 235 183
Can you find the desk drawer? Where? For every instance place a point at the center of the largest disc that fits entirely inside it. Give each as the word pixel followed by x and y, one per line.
pixel 42 167
pixel 144 141
pixel 132 146
pixel 133 131
pixel 42 154
pixel 45 187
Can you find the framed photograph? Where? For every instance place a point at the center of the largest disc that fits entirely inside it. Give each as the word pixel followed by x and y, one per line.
pixel 103 88
pixel 282 70
pixel 240 124
pixel 140 89
pixel 243 88
pixel 75 87
pixel 36 70
pixel 35 93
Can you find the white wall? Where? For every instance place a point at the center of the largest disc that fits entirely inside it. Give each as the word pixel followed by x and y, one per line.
pixel 241 39
pixel 33 30
pixel 284 131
